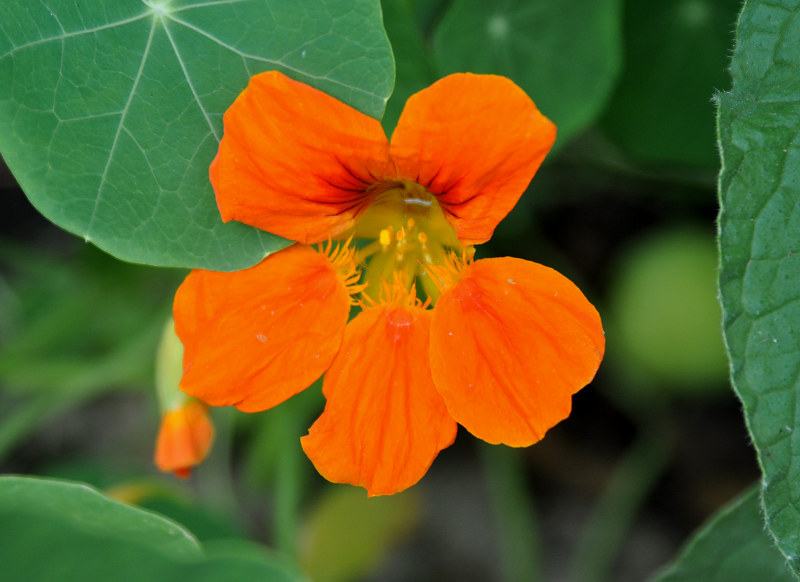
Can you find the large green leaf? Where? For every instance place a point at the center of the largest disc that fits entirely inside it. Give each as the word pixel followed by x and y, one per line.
pixel 111 110
pixel 731 547
pixel 759 129
pixel 90 512
pixel 676 53
pixel 566 55
pixel 52 531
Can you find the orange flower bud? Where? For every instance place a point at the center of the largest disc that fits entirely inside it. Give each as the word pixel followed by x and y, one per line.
pixel 184 439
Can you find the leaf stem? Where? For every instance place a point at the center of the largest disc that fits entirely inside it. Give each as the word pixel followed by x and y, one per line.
pixel 515 516
pixel 628 487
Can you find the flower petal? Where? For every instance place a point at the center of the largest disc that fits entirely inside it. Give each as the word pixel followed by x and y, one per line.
pixel 254 338
pixel 384 421
pixel 511 342
pixel 184 438
pixel 296 162
pixel 475 141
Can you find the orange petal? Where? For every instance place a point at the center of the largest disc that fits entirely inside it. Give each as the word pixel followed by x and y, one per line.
pixel 384 422
pixel 296 162
pixel 511 342
pixel 184 439
pixel 475 141
pixel 254 338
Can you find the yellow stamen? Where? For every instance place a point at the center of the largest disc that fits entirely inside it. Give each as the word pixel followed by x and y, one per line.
pixel 398 292
pixel 447 274
pixel 342 257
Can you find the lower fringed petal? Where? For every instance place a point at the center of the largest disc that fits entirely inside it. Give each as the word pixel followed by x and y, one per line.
pixel 511 342
pixel 256 337
pixel 384 421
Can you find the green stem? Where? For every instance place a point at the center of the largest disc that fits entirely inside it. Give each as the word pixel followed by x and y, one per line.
pixel 628 487
pixel 288 477
pixel 216 486
pixel 515 517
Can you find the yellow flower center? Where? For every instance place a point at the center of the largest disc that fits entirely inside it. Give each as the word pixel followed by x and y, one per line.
pixel 410 233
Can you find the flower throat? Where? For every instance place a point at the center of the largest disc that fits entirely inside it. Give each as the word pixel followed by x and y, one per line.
pixel 409 232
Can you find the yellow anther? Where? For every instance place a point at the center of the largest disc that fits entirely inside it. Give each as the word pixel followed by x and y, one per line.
pixel 410 223
pixel 385 237
pixel 422 238
pixel 401 234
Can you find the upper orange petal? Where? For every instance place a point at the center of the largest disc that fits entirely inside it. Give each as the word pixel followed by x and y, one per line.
pixel 511 341
pixel 384 421
pixel 184 438
pixel 254 338
pixel 475 141
pixel 296 162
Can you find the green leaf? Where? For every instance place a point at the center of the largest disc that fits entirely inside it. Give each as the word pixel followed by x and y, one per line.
pixel 111 110
pixel 676 52
pixel 565 55
pixel 732 547
pixel 52 531
pixel 90 513
pixel 414 69
pixel 760 276
pixel 675 269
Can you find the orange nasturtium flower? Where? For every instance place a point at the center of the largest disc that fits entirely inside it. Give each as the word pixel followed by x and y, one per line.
pixel 497 345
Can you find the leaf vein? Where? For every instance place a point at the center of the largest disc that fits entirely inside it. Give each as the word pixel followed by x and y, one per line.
pixel 189 82
pixel 273 62
pixel 120 127
pixel 66 35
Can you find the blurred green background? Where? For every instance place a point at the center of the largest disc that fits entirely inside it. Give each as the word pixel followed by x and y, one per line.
pixel 624 206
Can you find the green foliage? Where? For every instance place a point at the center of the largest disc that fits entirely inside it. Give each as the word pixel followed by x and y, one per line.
pixel 566 55
pixel 676 53
pixel 732 547
pixel 66 530
pixel 71 329
pixel 111 111
pixel 760 222
pixel 414 68
pixel 675 270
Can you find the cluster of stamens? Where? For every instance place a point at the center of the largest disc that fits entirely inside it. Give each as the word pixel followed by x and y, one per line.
pixel 412 247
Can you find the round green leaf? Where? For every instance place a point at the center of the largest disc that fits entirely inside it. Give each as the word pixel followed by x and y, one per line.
pixel 731 547
pixel 676 54
pixel 664 305
pixel 565 55
pixel 90 513
pixel 111 110
pixel 51 531
pixel 760 276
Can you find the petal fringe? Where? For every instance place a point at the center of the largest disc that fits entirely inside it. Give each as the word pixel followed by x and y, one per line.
pixel 384 421
pixel 296 162
pixel 475 141
pixel 256 337
pixel 511 342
